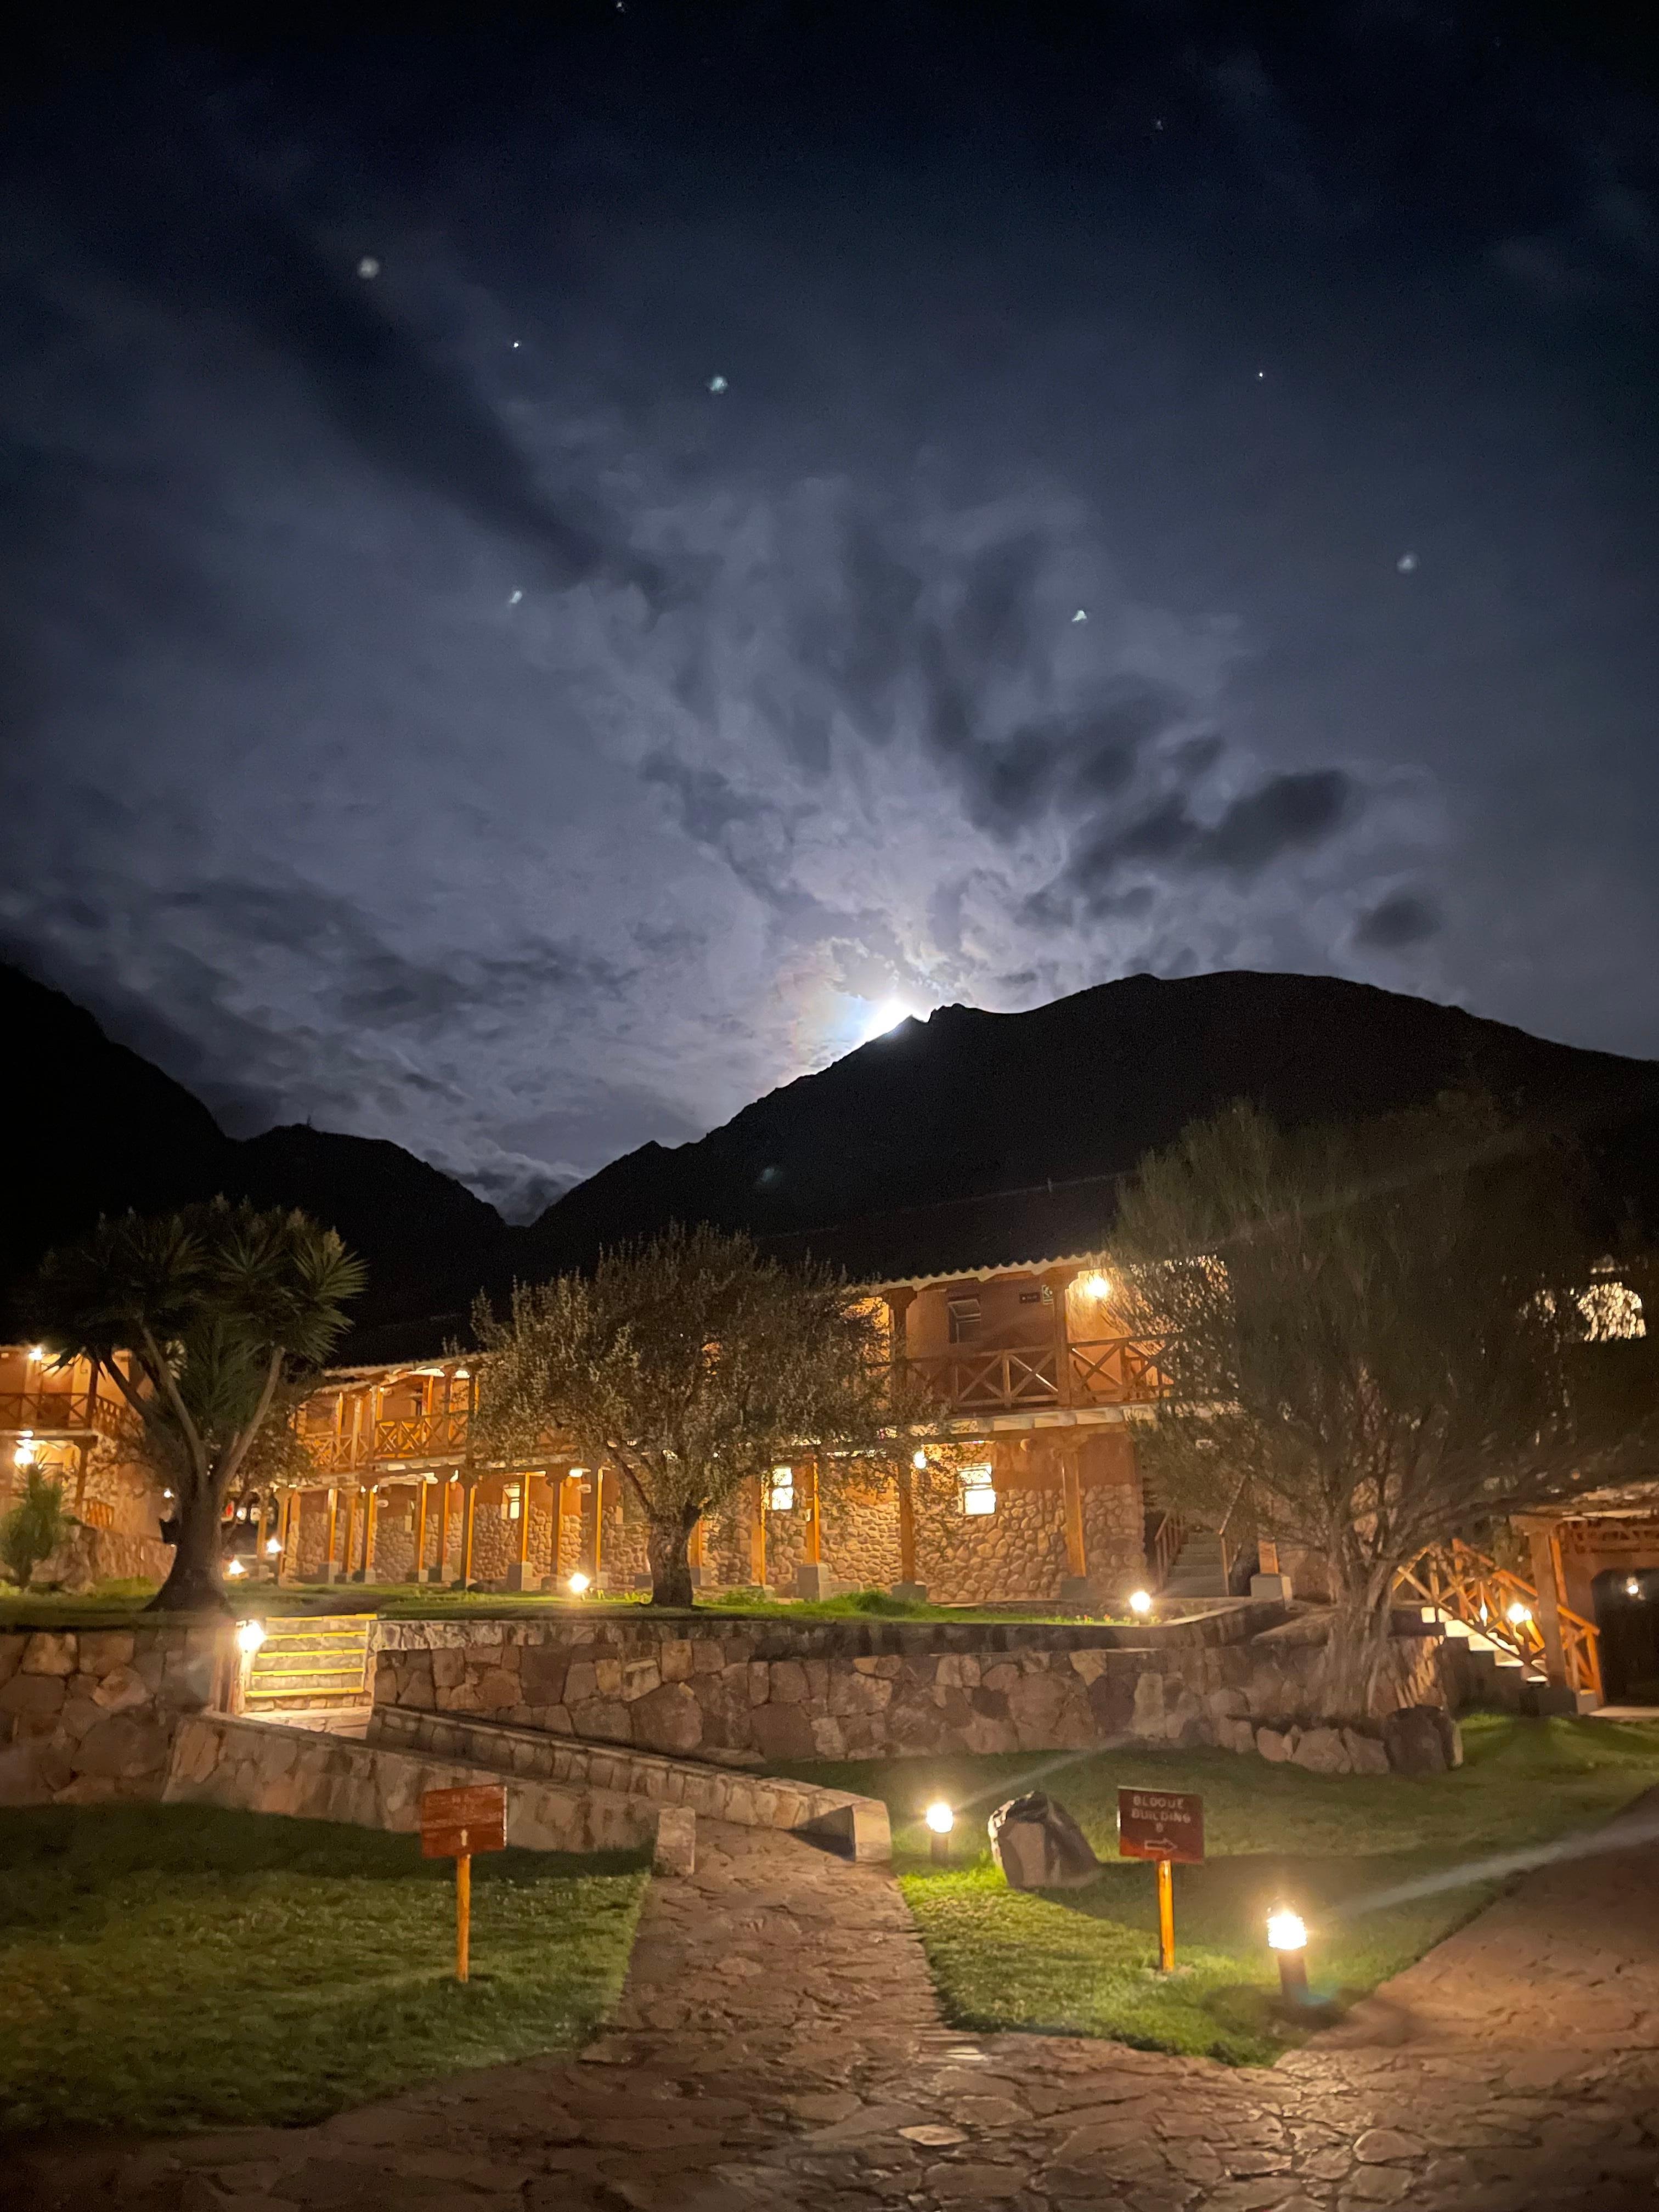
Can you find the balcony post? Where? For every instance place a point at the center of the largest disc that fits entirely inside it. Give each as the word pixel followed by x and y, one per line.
pixel 418 1564
pixel 757 1535
pixel 333 1531
pixel 518 1572
pixel 1549 1602
pixel 907 1528
pixel 1058 1279
pixel 1071 1490
pixel 468 1510
pixel 442 1566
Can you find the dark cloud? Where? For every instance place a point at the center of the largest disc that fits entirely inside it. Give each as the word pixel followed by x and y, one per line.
pixel 1402 919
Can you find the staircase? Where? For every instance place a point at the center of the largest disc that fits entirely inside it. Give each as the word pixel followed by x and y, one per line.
pixel 1199 1569
pixel 310 1664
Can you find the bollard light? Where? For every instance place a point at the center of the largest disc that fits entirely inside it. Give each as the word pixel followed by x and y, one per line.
pixel 919 1460
pixel 273 1547
pixel 1141 1604
pixel 235 1568
pixel 249 1635
pixel 940 1819
pixel 1632 1588
pixel 577 1584
pixel 1288 1937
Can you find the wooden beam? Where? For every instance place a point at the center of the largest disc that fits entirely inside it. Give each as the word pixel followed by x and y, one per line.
pixel 371 1515
pixel 1058 1280
pixel 757 1535
pixel 1070 1487
pixel 814 1523
pixel 525 1481
pixel 1539 1543
pixel 599 1524
pixel 352 1496
pixel 906 1526
pixel 418 1566
pixel 333 1524
pixel 470 1489
pixel 443 1528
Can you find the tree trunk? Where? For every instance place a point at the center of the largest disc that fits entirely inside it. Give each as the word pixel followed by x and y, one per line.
pixel 194 1582
pixel 665 1550
pixel 1358 1654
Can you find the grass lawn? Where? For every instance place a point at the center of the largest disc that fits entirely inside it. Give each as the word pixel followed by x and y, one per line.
pixel 116 1604
pixel 1078 1962
pixel 166 1967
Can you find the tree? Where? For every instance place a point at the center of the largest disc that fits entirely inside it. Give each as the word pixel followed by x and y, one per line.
pixel 34 1529
pixel 204 1321
pixel 1381 1337
pixel 693 1364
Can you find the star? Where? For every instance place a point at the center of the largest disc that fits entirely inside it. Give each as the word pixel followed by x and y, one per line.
pixel 717 384
pixel 513 598
pixel 368 266
pixel 1080 616
pixel 1406 564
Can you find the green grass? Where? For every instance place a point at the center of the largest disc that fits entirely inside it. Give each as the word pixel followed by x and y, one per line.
pixel 118 1604
pixel 166 1967
pixel 1078 1962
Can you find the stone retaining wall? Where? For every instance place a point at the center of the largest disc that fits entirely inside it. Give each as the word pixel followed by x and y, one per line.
pixel 748 1800
pixel 87 1715
pixel 256 1766
pixel 842 1689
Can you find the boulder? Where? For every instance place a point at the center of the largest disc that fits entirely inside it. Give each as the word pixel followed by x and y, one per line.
pixel 1039 1845
pixel 1367 1754
pixel 1422 1740
pixel 1322 1751
pixel 1273 1745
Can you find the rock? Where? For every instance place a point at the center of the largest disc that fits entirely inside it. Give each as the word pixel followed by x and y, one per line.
pixel 1273 1745
pixel 50 1655
pixel 1039 1845
pixel 123 1748
pixel 1422 1740
pixel 783 1732
pixel 1236 1735
pixel 675 1853
pixel 1322 1751
pixel 1367 1754
pixel 1227 1705
pixel 1147 1719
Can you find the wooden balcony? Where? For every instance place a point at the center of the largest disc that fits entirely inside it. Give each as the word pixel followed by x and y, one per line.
pixel 75 1415
pixel 424 1440
pixel 1117 1370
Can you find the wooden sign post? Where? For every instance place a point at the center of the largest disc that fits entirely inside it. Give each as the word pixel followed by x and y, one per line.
pixel 455 1823
pixel 1166 1826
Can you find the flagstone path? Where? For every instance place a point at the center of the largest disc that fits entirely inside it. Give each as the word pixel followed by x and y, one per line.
pixel 779 2048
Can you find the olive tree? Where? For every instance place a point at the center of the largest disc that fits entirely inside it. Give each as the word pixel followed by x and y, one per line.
pixel 692 1363
pixel 1383 1335
pixel 204 1322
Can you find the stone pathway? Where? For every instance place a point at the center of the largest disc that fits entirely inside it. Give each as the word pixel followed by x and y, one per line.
pixel 778 2049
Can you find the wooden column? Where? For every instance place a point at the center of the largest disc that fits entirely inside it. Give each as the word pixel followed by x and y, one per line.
pixel 1549 1600
pixel 518 1572
pixel 907 1525
pixel 284 1514
pixel 443 1528
pixel 371 1515
pixel 470 1507
pixel 1071 1484
pixel 1058 1280
pixel 599 1524
pixel 694 1546
pixel 814 1526
pixel 418 1565
pixel 259 1531
pixel 757 1535
pixel 333 1525
pixel 350 1528
pixel 556 1487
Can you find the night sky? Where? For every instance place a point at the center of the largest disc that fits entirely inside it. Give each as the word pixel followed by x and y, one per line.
pixel 544 569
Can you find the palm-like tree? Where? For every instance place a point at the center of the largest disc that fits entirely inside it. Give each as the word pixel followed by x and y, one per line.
pixel 203 1321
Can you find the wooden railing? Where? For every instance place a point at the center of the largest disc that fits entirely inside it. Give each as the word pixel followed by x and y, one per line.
pixel 1165 1535
pixel 1117 1371
pixel 1457 1580
pixel 62 1412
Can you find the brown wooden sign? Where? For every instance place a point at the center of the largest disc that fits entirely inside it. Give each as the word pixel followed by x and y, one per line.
pixel 1160 1824
pixel 455 1823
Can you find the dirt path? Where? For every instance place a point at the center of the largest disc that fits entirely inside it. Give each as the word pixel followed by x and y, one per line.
pixel 778 2045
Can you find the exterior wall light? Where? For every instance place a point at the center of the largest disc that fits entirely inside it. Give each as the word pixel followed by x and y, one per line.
pixel 577 1584
pixel 941 1821
pixel 1141 1604
pixel 1632 1588
pixel 1288 1937
pixel 1098 1287
pixel 1519 1613
pixel 249 1635
pixel 919 1460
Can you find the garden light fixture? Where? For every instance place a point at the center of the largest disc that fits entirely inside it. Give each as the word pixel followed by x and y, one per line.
pixel 1098 1287
pixel 1141 1604
pixel 1519 1613
pixel 273 1547
pixel 249 1635
pixel 577 1584
pixel 235 1568
pixel 940 1819
pixel 1288 1937
pixel 919 1460
pixel 1632 1588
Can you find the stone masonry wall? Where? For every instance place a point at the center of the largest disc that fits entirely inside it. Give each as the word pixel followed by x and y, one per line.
pixel 89 1715
pixel 844 1689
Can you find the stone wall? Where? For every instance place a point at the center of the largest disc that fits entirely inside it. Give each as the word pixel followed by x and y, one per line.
pixel 255 1767
pixel 846 1689
pixel 90 1715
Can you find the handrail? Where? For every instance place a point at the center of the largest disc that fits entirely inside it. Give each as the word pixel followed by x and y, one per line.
pixel 1474 1589
pixel 62 1412
pixel 1117 1371
pixel 1164 1548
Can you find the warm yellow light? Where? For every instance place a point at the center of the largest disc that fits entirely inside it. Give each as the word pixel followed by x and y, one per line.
pixel 577 1584
pixel 940 1818
pixel 1098 1287
pixel 249 1635
pixel 273 1547
pixel 919 1460
pixel 1141 1604
pixel 37 1351
pixel 1632 1588
pixel 235 1568
pixel 1518 1613
pixel 1286 1932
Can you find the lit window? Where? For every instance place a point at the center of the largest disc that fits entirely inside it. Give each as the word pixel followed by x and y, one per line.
pixel 978 1495
pixel 512 1505
pixel 1612 1311
pixel 781 1492
pixel 965 1319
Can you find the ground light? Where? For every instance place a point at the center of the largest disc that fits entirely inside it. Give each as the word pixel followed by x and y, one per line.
pixel 941 1821
pixel 1287 1935
pixel 249 1635
pixel 273 1547
pixel 576 1585
pixel 235 1568
pixel 1141 1604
